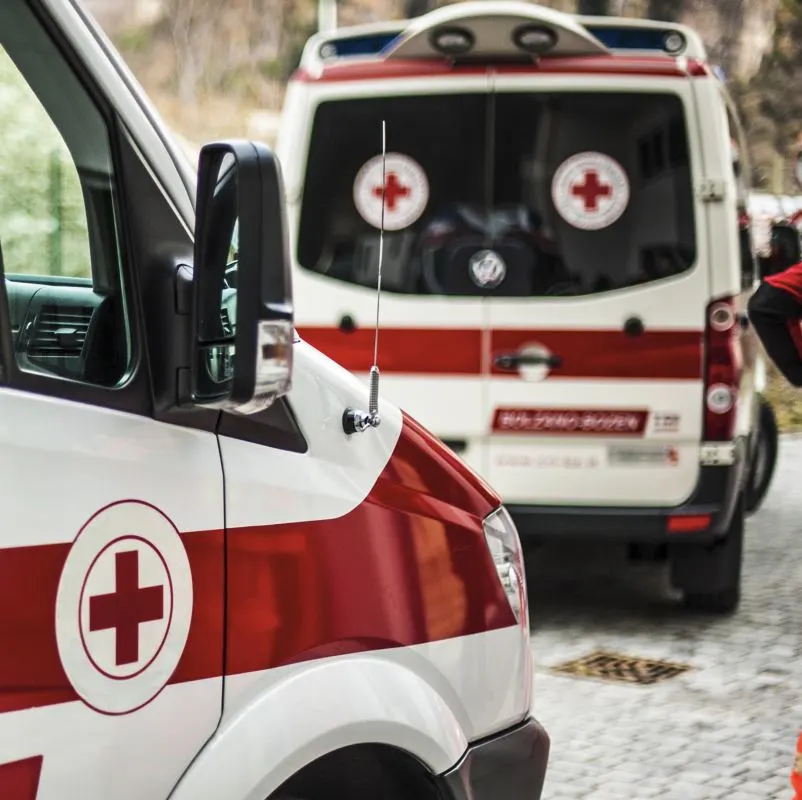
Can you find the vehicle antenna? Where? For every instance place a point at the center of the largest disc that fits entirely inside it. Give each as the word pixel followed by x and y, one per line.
pixel 355 421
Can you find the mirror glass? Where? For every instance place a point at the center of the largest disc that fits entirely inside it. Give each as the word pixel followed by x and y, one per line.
pixel 217 320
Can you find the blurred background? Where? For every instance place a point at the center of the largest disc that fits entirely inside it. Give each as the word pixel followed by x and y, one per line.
pixel 219 68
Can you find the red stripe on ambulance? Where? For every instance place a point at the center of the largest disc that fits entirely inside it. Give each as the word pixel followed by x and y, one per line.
pixel 654 355
pixel 19 780
pixel 582 65
pixel 297 591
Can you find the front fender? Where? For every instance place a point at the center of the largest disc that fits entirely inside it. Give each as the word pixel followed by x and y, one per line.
pixel 287 718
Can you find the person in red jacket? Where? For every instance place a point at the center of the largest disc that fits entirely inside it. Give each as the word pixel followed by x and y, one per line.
pixel 775 311
pixel 796 771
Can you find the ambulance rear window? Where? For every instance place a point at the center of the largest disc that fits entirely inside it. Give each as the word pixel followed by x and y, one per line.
pixel 508 194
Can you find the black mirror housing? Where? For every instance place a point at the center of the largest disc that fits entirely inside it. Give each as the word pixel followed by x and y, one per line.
pixel 242 284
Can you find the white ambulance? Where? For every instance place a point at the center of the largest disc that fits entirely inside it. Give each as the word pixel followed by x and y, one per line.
pixel 564 278
pixel 208 590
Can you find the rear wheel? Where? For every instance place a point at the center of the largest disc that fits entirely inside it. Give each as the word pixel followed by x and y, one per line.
pixel 710 575
pixel 764 459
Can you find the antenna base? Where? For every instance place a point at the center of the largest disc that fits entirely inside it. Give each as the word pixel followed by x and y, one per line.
pixel 355 421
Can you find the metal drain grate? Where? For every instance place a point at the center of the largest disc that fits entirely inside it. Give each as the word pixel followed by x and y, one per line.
pixel 620 668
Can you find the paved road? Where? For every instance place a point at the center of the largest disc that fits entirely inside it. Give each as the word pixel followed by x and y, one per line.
pixel 725 729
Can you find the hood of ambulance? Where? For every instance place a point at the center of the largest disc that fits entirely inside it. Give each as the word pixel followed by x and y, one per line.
pixel 419 511
pixel 426 476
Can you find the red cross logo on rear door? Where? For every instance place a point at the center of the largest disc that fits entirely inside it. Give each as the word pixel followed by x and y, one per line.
pixel 591 189
pixel 393 190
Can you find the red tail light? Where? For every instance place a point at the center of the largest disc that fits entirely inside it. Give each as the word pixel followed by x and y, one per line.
pixel 724 361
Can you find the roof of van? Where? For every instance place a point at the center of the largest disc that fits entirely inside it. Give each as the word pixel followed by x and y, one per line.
pixel 509 35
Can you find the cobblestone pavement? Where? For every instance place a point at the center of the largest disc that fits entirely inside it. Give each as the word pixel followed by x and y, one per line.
pixel 725 729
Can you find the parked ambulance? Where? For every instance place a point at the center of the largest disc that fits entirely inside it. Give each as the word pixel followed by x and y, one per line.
pixel 564 280
pixel 208 590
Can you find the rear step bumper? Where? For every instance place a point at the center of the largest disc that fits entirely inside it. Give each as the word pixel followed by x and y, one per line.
pixel 508 766
pixel 714 497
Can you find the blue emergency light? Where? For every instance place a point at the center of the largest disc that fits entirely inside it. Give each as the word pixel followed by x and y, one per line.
pixel 365 45
pixel 667 41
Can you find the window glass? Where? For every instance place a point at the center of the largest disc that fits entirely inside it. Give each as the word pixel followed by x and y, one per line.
pixel 58 231
pixel 489 164
pixel 745 239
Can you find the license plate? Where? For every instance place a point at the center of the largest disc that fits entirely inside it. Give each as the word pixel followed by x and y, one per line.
pixel 662 456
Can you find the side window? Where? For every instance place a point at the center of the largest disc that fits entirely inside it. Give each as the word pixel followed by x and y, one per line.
pixel 61 256
pixel 739 170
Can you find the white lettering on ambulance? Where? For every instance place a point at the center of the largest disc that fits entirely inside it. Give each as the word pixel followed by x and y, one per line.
pixel 570 421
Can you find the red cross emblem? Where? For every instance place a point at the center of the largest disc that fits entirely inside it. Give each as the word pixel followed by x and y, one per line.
pixel 392 191
pixel 591 189
pixel 126 608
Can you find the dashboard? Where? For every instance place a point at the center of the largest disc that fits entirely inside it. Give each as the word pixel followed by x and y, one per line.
pixel 64 326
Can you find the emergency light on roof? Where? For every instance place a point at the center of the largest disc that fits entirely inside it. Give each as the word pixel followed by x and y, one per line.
pixel 535 39
pixel 622 34
pixel 452 41
pixel 365 45
pixel 488 30
pixel 501 30
pixel 670 41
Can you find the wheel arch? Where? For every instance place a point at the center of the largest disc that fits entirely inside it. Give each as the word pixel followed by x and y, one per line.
pixel 283 724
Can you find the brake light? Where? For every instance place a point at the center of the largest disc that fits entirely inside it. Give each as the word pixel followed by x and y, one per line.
pixel 693 523
pixel 724 361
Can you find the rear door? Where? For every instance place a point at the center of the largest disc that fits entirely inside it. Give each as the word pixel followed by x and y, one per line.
pixel 614 303
pixel 431 341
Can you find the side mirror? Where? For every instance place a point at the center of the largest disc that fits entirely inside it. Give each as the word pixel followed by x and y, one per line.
pixel 242 286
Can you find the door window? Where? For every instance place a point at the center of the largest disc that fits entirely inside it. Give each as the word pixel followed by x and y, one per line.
pixel 61 254
pixel 739 171
pixel 571 193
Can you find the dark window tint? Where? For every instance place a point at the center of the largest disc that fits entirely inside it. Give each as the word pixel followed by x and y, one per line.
pixel 490 162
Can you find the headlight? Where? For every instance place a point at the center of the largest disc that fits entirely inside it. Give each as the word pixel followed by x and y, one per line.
pixel 505 547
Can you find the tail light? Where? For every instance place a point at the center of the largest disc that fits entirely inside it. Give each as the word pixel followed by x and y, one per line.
pixel 724 361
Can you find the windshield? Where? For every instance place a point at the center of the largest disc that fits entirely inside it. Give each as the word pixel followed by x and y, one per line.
pixel 513 194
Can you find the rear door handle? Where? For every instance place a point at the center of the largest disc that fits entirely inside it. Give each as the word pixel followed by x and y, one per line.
pixel 516 360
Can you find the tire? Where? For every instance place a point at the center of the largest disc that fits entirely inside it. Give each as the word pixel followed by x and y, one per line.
pixel 710 575
pixel 764 460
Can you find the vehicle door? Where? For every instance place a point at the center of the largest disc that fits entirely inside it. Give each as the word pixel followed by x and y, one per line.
pixel 430 345
pixel 596 360
pixel 111 549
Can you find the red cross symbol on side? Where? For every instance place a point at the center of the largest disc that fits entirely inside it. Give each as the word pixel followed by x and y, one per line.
pixel 590 189
pixel 393 190
pixel 126 607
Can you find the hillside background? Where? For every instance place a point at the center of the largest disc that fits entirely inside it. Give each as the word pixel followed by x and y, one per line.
pixel 218 68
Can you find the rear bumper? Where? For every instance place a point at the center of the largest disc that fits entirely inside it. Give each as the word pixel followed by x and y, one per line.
pixel 715 495
pixel 508 766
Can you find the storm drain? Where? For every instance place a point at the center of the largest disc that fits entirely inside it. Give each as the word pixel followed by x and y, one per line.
pixel 620 668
